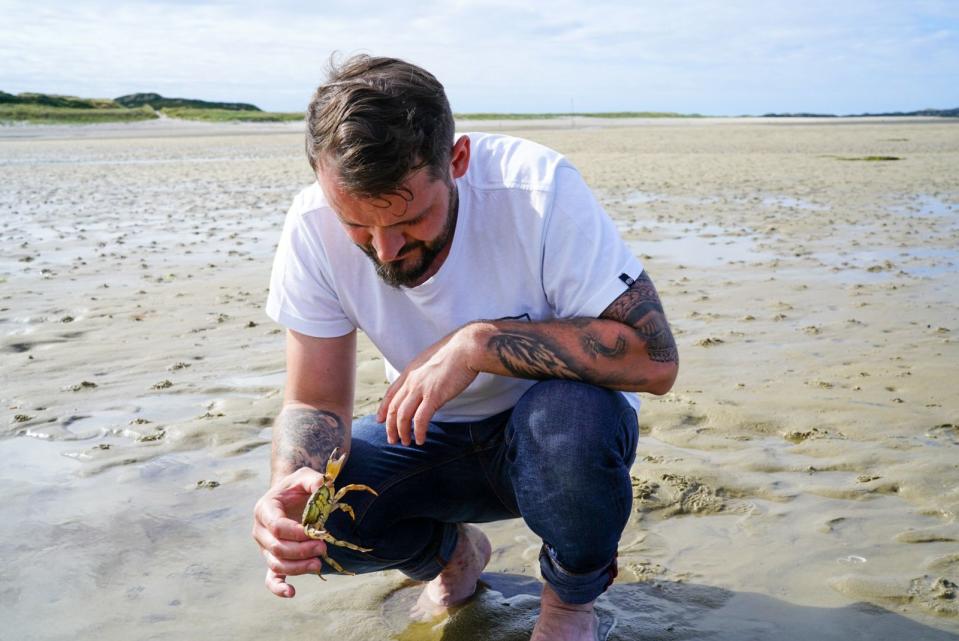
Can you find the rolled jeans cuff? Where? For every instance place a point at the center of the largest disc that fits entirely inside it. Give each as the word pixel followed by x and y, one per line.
pixel 573 587
pixel 432 563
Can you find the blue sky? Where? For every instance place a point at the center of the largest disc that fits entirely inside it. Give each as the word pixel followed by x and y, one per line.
pixel 713 57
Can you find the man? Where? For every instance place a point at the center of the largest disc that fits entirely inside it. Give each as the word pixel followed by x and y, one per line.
pixel 509 313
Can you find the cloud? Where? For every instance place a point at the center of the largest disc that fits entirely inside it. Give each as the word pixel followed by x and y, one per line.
pixel 732 57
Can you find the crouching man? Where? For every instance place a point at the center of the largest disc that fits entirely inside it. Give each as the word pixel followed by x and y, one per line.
pixel 515 325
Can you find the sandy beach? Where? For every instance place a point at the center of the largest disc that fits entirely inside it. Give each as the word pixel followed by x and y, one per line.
pixel 800 481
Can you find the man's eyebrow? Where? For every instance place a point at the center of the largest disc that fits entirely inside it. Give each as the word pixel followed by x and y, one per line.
pixel 414 219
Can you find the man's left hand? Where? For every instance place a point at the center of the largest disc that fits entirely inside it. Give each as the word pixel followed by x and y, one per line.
pixel 437 375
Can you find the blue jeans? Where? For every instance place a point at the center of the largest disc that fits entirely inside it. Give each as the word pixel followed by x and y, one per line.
pixel 559 460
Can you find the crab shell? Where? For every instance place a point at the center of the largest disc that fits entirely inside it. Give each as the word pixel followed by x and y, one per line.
pixel 320 504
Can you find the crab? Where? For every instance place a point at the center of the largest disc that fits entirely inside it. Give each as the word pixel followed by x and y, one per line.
pixel 323 502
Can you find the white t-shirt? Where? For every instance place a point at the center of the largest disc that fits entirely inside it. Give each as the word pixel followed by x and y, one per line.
pixel 531 243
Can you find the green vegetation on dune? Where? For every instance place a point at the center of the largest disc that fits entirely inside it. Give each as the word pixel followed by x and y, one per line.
pixel 157 101
pixel 552 116
pixel 492 116
pixel 227 115
pixel 43 114
pixel 47 109
pixel 50 109
pixel 68 110
pixel 639 114
pixel 52 100
pixel 38 108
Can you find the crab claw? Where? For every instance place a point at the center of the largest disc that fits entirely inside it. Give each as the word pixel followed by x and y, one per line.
pixel 334 465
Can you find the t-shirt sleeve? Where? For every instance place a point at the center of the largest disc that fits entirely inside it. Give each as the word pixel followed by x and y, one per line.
pixel 301 296
pixel 586 264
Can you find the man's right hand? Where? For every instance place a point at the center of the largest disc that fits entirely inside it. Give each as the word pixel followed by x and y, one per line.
pixel 277 530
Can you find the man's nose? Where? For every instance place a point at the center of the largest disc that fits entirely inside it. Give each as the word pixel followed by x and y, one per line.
pixel 388 243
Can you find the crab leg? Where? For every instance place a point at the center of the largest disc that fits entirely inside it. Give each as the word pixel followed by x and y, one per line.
pixel 336 566
pixel 314 533
pixel 344 544
pixel 353 486
pixel 346 508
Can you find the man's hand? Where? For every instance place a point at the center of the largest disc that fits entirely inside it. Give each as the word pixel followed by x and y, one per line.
pixel 440 373
pixel 629 347
pixel 276 528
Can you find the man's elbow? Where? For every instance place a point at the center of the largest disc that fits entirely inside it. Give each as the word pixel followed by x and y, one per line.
pixel 661 379
pixel 665 382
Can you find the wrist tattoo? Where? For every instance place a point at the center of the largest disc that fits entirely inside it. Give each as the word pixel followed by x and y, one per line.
pixel 306 437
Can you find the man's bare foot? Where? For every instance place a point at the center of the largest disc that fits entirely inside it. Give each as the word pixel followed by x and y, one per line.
pixel 457 582
pixel 560 621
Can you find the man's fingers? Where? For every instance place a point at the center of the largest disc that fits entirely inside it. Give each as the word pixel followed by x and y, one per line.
pixel 290 493
pixel 421 420
pixel 303 480
pixel 270 525
pixel 391 434
pixel 404 417
pixel 285 546
pixel 276 583
pixel 292 568
pixel 283 527
pixel 388 398
pixel 288 550
pixel 384 404
pixel 297 551
pixel 271 513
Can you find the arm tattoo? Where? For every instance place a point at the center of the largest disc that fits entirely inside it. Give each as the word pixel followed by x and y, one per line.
pixel 594 347
pixel 526 355
pixel 305 438
pixel 587 354
pixel 640 308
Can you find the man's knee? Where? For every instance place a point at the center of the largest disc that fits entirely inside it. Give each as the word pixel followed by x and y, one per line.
pixel 554 416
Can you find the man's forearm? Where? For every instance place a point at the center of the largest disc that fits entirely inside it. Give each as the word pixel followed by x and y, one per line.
pixel 629 347
pixel 304 436
pixel 598 351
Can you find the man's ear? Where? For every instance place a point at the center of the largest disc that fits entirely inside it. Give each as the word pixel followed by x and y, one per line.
pixel 460 160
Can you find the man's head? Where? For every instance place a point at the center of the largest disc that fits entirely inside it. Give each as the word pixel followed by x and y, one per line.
pixel 380 140
pixel 377 120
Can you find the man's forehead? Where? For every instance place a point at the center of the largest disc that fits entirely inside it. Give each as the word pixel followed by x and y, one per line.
pixel 410 200
pixel 328 168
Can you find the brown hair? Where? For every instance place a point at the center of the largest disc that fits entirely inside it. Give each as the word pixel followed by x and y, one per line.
pixel 376 120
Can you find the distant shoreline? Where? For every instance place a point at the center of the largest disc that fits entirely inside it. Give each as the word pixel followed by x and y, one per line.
pixel 69 116
pixel 176 128
pixel 54 109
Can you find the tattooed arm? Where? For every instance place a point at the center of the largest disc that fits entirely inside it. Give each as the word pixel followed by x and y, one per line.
pixel 304 436
pixel 629 347
pixel 318 401
pixel 315 419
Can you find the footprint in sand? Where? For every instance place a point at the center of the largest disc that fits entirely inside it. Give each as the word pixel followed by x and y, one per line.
pixel 940 534
pixel 935 594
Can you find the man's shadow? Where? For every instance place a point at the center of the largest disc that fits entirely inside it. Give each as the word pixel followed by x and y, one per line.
pixel 506 607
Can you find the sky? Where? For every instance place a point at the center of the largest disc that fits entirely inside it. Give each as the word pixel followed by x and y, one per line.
pixel 715 57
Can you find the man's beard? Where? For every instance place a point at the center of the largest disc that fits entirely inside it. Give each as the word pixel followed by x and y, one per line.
pixel 394 273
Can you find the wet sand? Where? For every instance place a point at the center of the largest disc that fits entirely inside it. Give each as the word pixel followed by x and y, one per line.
pixel 800 481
